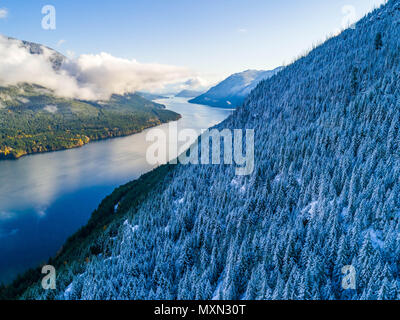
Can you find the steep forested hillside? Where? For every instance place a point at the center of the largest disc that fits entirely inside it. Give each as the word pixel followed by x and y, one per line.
pixel 325 193
pixel 33 119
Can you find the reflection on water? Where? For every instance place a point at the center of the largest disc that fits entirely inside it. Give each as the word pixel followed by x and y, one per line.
pixel 45 198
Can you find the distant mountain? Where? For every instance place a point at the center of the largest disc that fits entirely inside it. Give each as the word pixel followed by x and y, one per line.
pixel 231 92
pixel 56 58
pixel 188 94
pixel 151 96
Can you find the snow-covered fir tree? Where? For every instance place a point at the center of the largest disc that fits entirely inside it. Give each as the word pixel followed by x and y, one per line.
pixel 324 193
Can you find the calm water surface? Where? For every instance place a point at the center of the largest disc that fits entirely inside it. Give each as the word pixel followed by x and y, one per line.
pixel 45 198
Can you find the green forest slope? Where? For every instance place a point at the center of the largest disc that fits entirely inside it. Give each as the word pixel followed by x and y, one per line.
pixel 33 120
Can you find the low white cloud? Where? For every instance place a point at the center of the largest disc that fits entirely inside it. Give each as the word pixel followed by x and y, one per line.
pixel 90 76
pixel 196 83
pixel 70 54
pixel 242 30
pixel 106 74
pixel 17 65
pixel 51 108
pixel 3 13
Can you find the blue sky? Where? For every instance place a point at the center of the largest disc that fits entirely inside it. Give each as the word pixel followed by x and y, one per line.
pixel 212 37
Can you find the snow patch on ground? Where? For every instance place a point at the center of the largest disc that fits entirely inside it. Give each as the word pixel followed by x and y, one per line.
pixel 278 178
pixel 112 258
pixel 216 294
pixel 310 209
pixel 344 213
pixel 179 201
pixel 70 288
pixel 235 182
pixel 68 291
pixel 376 237
pixel 133 229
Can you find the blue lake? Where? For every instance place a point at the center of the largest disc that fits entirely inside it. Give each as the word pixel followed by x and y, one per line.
pixel 45 198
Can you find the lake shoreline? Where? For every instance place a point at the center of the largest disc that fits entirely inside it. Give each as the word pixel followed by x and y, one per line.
pixel 12 157
pixel 77 248
pixel 47 197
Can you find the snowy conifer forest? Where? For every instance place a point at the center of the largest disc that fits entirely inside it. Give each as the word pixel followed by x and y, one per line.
pixel 325 193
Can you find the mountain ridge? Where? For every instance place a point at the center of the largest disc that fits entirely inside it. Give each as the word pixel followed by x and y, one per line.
pixel 56 58
pixel 231 92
